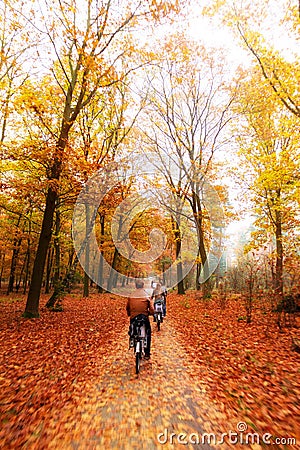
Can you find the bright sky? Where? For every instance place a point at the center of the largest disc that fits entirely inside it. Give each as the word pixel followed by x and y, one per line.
pixel 211 32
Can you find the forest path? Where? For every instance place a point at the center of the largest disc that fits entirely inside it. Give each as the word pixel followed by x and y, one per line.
pixel 128 411
pixel 67 379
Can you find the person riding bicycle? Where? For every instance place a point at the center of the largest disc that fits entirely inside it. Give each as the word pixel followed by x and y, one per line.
pixel 164 293
pixel 158 295
pixel 139 304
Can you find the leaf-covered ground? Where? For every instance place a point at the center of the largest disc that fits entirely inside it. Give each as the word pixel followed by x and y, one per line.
pixel 67 380
pixel 251 371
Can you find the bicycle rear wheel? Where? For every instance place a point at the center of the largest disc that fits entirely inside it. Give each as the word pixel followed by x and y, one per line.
pixel 158 323
pixel 137 362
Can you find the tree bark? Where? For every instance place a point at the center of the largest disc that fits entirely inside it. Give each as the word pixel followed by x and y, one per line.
pixel 198 217
pixel 112 279
pixel 62 287
pixel 16 247
pixel 2 267
pixel 279 256
pixel 86 281
pixel 32 305
pixel 26 276
pixel 198 273
pixel 18 281
pixel 177 235
pixel 56 275
pixel 49 269
pixel 16 250
pixel 100 268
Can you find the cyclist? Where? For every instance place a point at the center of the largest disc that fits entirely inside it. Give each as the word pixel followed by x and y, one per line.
pixel 159 295
pixel 164 293
pixel 139 303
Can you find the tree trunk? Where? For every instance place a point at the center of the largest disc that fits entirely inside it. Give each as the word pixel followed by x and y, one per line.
pixel 100 268
pixel 100 276
pixel 70 261
pixel 112 276
pixel 18 282
pixel 26 276
pixel 49 269
pixel 32 305
pixel 279 256
pixel 180 285
pixel 15 253
pixel 198 215
pixel 87 253
pixel 61 288
pixel 198 273
pixel 5 109
pixel 16 250
pixel 2 268
pixel 206 288
pixel 28 255
pixel 115 279
pixel 177 235
pixel 56 276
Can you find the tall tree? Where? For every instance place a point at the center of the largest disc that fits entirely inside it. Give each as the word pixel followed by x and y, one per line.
pixel 87 52
pixel 269 140
pixel 189 115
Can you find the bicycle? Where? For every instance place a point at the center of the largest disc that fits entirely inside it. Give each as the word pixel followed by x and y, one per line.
pixel 158 313
pixel 138 340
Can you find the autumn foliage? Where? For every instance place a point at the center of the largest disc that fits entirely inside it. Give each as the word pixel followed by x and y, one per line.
pixel 184 140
